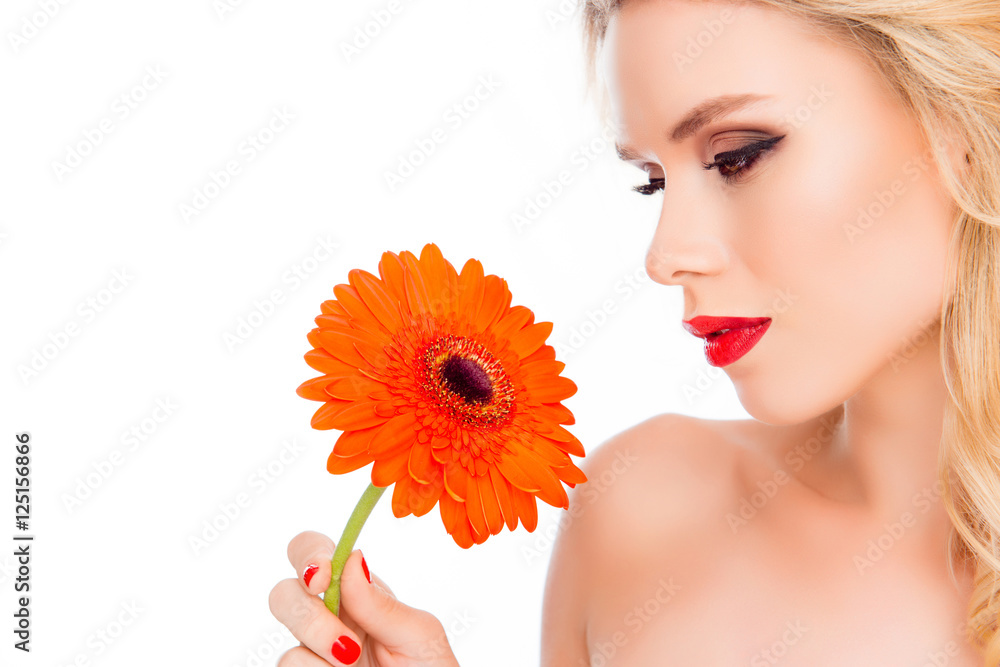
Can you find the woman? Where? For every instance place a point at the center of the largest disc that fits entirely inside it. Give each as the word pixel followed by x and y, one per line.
pixel 852 224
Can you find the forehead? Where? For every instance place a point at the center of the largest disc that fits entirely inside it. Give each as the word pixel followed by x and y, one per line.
pixel 663 57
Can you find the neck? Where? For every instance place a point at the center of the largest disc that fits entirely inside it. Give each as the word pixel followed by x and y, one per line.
pixel 891 433
pixel 882 458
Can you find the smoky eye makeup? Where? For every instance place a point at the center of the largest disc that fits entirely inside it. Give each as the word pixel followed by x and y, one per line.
pixel 743 153
pixel 733 166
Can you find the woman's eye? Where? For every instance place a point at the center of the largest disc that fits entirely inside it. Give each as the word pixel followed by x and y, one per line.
pixel 651 187
pixel 733 166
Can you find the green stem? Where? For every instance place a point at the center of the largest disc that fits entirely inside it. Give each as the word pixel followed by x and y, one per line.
pixel 346 543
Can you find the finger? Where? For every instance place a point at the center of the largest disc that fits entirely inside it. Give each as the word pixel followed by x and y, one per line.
pixel 300 656
pixel 311 554
pixel 309 621
pixel 384 618
pixel 375 579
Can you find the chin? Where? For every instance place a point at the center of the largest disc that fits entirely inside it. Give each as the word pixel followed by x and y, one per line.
pixel 781 406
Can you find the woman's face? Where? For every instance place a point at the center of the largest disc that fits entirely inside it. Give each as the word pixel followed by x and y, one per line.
pixel 838 232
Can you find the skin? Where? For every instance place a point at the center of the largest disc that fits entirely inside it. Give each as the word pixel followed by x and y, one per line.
pixel 852 362
pixel 389 632
pixel 842 557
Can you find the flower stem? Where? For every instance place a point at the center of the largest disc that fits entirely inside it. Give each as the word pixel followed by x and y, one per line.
pixel 346 543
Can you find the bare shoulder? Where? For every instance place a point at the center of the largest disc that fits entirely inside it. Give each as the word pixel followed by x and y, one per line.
pixel 665 489
pixel 653 494
pixel 668 471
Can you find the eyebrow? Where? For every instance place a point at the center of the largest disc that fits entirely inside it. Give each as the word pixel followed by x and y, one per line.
pixel 709 110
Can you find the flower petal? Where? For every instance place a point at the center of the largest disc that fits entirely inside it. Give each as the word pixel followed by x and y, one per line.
pixel 481 466
pixel 470 287
pixel 324 362
pixel 436 273
pixel 359 311
pixel 387 471
pixel 457 525
pixel 314 389
pixel 530 338
pixel 423 497
pixel 491 507
pixel 417 294
pixel 382 394
pixel 323 419
pixel 375 357
pixel 339 465
pixel 496 299
pixel 502 488
pixel 332 307
pixel 384 409
pixel 390 268
pixel 456 480
pixel 324 321
pixel 422 466
pixel 340 345
pixel 443 455
pixel 352 443
pixel 567 441
pixel 548 388
pixel 542 367
pixel 571 446
pixel 515 474
pixel 512 322
pixel 368 344
pixel 354 387
pixel 397 432
pixel 541 354
pixel 551 490
pixel 401 497
pixel 451 512
pixel 474 506
pixel 378 300
pixel 526 509
pixel 546 450
pixel 555 413
pixel 359 415
pixel 570 474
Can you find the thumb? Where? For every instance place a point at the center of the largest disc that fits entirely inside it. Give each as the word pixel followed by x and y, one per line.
pixel 377 611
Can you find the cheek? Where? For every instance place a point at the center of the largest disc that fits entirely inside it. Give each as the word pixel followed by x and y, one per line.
pixel 860 234
pixel 859 247
pixel 797 237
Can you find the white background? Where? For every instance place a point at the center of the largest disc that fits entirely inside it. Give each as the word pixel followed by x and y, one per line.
pixel 158 331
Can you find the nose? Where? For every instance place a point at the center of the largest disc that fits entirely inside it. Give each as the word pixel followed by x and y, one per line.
pixel 687 242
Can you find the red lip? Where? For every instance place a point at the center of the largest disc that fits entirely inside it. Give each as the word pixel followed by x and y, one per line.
pixel 724 349
pixel 704 325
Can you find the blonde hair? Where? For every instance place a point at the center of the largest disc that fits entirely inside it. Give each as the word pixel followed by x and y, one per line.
pixel 942 60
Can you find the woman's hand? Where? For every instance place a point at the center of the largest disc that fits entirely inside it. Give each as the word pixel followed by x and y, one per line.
pixel 374 629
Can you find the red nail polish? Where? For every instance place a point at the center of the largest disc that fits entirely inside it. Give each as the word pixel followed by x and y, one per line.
pixel 364 566
pixel 346 650
pixel 309 572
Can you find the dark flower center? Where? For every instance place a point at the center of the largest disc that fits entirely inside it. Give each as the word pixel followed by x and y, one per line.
pixel 467 379
pixel 461 380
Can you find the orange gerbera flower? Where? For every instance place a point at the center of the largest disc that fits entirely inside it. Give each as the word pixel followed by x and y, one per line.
pixel 451 392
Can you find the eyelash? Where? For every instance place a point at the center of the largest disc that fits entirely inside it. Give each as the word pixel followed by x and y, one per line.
pixel 742 160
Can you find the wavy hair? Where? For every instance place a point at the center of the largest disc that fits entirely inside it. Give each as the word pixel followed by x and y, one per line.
pixel 942 60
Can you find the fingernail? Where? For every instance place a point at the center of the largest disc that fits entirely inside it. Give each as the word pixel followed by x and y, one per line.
pixel 364 566
pixel 310 570
pixel 346 650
